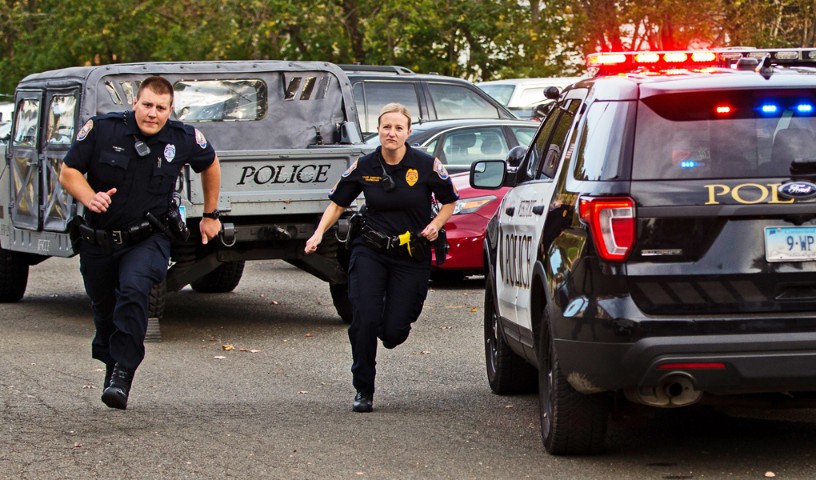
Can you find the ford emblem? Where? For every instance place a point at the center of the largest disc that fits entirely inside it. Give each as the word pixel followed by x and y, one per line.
pixel 797 190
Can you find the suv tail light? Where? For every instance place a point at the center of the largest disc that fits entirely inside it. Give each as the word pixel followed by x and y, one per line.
pixel 611 222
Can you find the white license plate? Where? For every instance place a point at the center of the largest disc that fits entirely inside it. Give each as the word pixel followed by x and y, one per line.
pixel 790 244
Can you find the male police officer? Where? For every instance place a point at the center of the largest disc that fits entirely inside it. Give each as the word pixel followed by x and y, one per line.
pixel 132 161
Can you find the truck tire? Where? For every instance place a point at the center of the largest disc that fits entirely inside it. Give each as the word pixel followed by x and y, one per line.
pixel 13 276
pixel 221 280
pixel 157 300
pixel 572 423
pixel 507 373
pixel 339 294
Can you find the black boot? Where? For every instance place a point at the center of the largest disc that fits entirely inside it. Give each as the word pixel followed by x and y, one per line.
pixel 117 391
pixel 363 402
pixel 108 373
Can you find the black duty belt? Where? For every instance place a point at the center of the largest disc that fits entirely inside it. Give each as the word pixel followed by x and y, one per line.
pixel 407 244
pixel 128 236
pixel 379 240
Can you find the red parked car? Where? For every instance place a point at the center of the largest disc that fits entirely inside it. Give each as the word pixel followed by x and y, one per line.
pixel 466 230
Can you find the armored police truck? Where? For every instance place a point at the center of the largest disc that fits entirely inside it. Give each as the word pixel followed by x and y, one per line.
pixel 284 132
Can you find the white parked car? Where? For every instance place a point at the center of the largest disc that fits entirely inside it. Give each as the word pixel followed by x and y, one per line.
pixel 522 95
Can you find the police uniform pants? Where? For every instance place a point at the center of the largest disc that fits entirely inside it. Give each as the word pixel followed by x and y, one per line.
pixel 119 284
pixel 387 293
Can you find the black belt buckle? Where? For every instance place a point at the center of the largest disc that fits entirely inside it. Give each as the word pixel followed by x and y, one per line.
pixel 116 237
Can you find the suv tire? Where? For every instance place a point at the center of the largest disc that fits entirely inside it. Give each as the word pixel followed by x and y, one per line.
pixel 507 373
pixel 572 423
pixel 13 276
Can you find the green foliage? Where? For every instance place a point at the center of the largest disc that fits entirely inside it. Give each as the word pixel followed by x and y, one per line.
pixel 478 40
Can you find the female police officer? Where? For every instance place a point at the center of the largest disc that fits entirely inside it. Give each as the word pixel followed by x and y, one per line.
pixel 390 259
pixel 132 160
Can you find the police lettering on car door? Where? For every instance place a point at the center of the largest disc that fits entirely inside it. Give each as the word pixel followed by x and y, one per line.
pixel 517 257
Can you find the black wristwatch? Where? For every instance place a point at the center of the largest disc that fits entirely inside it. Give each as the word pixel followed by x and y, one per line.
pixel 214 214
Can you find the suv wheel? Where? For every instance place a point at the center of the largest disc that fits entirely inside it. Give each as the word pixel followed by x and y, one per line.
pixel 507 373
pixel 572 423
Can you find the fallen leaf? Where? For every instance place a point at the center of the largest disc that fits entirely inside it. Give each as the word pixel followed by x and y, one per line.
pixel 508 406
pixel 228 347
pixel 219 357
pixel 474 309
pixel 243 349
pixel 77 445
pixel 274 302
pixel 455 306
pixel 425 352
pixel 769 474
pixel 309 335
pixel 303 392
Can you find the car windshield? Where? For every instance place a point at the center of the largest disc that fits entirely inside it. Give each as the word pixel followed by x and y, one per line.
pixel 500 92
pixel 752 133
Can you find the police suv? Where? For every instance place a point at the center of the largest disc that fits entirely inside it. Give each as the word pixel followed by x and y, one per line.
pixel 284 133
pixel 659 241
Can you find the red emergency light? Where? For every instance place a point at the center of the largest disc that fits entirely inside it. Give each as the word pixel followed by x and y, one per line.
pixel 663 62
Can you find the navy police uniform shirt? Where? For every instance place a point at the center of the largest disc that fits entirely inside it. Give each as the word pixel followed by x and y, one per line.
pixel 408 206
pixel 105 151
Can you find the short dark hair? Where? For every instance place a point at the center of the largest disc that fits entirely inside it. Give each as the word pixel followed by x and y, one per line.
pixel 158 85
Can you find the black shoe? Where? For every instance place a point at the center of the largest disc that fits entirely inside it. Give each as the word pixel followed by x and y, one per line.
pixel 117 391
pixel 362 403
pixel 108 373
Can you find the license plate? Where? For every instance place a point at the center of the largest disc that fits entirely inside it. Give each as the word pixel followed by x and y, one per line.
pixel 790 244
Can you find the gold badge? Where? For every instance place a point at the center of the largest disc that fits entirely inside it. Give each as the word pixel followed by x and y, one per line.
pixel 411 177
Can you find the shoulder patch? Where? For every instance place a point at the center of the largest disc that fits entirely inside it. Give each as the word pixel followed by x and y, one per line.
pixel 439 168
pixel 200 139
pixel 83 132
pixel 352 168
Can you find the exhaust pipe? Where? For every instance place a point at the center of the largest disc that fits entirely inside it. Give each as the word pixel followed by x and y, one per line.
pixel 674 390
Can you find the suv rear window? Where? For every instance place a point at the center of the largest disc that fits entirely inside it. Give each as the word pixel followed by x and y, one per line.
pixel 734 134
pixel 455 101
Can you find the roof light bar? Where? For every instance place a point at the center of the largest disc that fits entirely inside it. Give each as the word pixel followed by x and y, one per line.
pixel 613 63
pixel 675 57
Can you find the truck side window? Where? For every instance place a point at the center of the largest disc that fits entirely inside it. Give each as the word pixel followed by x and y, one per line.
pixel 60 120
pixel 225 100
pixel 25 128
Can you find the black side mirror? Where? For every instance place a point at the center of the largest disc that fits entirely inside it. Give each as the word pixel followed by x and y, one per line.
pixel 515 156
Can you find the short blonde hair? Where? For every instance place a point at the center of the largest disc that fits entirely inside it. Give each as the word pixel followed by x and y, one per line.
pixel 395 108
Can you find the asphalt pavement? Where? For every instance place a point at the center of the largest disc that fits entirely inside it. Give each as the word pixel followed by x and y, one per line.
pixel 256 384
